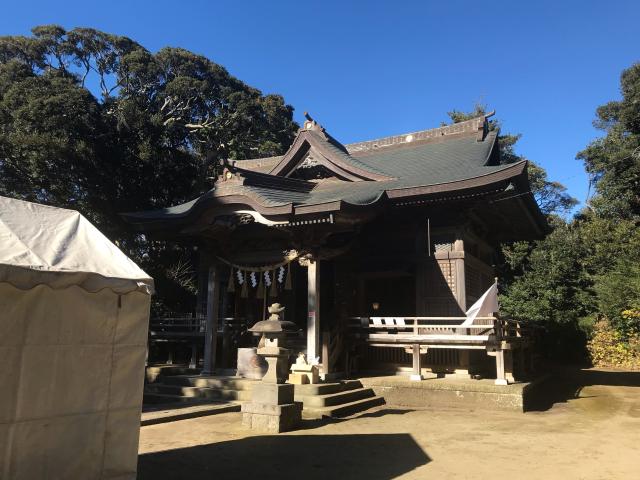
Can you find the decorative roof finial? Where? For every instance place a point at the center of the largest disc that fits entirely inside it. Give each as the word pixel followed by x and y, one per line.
pixel 310 123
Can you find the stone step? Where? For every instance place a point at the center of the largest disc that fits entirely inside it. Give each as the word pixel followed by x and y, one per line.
pixel 317 389
pixel 199 392
pixel 155 373
pixel 326 388
pixel 232 383
pixel 333 399
pixel 156 415
pixel 174 370
pixel 151 398
pixel 343 410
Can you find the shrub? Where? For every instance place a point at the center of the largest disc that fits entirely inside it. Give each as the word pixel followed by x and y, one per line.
pixel 608 348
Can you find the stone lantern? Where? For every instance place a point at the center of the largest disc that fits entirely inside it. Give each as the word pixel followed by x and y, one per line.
pixel 272 408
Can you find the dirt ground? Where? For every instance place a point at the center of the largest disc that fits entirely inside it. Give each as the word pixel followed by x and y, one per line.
pixel 585 426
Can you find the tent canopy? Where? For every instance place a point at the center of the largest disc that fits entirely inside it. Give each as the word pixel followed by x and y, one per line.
pixel 59 248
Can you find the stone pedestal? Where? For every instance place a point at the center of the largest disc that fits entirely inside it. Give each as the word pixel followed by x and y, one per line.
pixel 303 373
pixel 271 418
pixel 272 408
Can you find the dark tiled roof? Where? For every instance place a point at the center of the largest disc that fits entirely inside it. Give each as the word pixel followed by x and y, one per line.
pixel 450 158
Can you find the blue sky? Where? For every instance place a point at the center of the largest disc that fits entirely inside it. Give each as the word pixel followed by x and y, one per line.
pixel 366 69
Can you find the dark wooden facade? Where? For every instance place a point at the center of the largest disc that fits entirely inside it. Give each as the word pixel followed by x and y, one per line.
pixel 404 226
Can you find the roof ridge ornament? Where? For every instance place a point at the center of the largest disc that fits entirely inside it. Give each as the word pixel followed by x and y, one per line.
pixel 226 170
pixel 311 124
pixel 478 125
pixel 483 126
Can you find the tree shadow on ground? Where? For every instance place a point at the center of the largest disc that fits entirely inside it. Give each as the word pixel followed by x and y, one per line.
pixel 567 383
pixel 309 457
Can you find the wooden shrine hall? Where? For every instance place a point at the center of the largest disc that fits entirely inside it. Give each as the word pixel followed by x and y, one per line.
pixel 376 249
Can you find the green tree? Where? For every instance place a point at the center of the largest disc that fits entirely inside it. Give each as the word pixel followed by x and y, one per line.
pixel 147 134
pixel 551 283
pixel 587 271
pixel 611 227
pixel 613 249
pixel 613 161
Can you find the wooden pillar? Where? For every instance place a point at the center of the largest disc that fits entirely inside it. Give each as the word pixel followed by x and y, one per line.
pixel 326 342
pixel 211 324
pixel 226 344
pixel 508 366
pixel 169 353
pixel 193 362
pixel 463 366
pixel 416 375
pixel 223 324
pixel 313 310
pixel 500 373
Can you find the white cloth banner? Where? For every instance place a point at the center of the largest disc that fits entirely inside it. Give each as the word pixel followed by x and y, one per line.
pixel 486 305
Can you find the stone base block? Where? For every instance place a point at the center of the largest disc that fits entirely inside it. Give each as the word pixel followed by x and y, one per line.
pixel 298 379
pixel 271 418
pixel 272 393
pixel 311 376
pixel 452 392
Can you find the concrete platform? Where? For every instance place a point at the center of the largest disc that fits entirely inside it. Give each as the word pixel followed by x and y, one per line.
pixel 451 392
pixel 178 386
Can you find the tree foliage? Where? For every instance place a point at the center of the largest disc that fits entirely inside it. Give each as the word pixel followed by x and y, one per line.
pixel 613 161
pixel 586 271
pixel 95 122
pixel 551 282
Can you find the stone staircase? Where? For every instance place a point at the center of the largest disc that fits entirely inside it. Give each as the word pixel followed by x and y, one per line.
pixel 195 389
pixel 171 385
pixel 337 399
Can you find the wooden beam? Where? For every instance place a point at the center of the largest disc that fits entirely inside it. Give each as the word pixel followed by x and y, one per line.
pixel 428 345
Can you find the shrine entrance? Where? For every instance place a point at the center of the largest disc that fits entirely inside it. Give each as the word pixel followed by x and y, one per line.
pixel 388 295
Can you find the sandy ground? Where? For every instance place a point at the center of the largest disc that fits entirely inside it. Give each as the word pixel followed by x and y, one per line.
pixel 587 426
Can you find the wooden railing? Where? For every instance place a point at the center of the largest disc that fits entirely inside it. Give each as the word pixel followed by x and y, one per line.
pixel 191 330
pixel 499 337
pixel 193 326
pixel 435 330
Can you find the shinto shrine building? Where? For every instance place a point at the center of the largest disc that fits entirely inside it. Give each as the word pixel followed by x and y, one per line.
pixel 376 248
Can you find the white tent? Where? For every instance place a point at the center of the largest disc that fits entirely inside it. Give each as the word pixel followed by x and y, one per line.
pixel 74 316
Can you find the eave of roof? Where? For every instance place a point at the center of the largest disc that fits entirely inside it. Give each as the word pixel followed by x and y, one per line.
pixel 328 199
pixel 444 163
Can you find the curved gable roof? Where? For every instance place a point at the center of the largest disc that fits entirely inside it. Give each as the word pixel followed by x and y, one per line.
pixel 329 152
pixel 445 162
